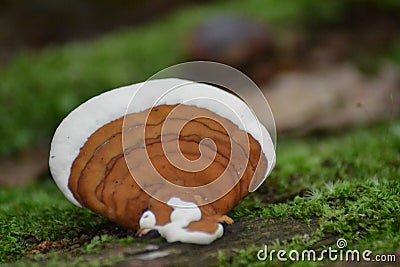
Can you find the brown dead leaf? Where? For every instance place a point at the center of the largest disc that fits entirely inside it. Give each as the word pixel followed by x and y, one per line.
pixel 332 98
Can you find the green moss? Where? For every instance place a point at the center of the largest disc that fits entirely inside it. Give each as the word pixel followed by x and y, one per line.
pixel 53 259
pixel 350 182
pixel 352 187
pixel 41 212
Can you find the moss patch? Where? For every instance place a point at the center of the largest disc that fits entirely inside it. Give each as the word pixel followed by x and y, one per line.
pixel 347 184
pixel 350 182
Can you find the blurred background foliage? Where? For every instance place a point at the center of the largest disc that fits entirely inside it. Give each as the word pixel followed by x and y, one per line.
pixel 56 54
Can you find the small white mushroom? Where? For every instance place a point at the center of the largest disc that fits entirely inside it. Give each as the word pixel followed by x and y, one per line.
pixel 148 220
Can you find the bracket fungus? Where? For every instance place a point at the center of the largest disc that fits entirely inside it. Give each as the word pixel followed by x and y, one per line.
pixel 176 164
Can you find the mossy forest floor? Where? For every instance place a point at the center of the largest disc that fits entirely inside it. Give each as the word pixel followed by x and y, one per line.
pixel 325 187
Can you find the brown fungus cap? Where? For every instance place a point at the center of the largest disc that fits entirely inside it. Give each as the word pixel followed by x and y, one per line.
pixel 97 156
